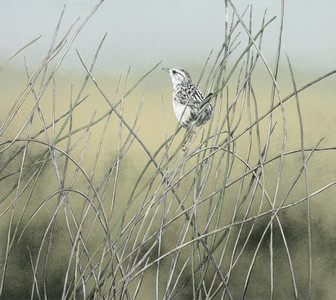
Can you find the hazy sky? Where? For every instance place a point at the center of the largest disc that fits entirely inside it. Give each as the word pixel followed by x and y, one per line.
pixel 142 32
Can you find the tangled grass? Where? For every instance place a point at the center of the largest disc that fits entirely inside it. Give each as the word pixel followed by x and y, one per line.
pixel 212 222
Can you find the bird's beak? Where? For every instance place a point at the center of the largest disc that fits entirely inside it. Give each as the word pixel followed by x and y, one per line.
pixel 165 69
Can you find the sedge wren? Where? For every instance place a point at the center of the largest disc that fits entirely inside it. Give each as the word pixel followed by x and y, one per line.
pixel 190 106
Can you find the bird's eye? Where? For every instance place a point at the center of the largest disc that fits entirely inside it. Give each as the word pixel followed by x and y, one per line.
pixel 174 72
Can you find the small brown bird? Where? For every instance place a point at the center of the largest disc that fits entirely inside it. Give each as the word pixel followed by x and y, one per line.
pixel 189 103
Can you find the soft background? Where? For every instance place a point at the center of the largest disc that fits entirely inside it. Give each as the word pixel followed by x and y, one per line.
pixel 181 34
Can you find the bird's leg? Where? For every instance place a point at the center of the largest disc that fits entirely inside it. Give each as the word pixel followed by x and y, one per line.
pixel 187 139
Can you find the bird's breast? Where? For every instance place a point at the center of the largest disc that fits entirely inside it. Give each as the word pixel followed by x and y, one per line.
pixel 183 114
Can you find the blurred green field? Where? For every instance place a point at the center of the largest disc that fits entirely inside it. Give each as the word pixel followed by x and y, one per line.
pixel 97 151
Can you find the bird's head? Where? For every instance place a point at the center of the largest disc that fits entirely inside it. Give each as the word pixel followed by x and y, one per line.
pixel 178 76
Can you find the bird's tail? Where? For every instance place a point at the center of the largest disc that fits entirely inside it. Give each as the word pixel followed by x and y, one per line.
pixel 206 100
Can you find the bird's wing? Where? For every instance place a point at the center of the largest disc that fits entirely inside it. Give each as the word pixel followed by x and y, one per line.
pixel 198 96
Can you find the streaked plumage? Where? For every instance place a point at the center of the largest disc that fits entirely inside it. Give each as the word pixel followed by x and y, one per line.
pixel 188 101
